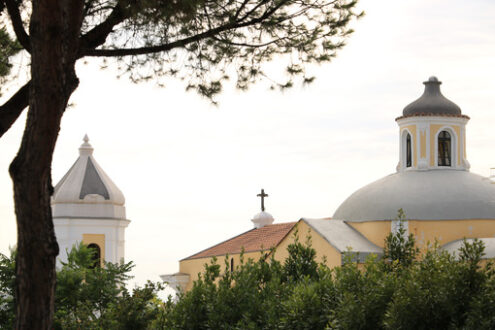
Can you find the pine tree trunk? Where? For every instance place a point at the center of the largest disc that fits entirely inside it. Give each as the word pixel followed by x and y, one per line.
pixel 54 33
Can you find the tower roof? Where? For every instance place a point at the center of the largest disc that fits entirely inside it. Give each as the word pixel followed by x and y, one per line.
pixel 432 102
pixel 87 183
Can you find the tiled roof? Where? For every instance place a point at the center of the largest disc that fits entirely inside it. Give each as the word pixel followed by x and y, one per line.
pixel 256 239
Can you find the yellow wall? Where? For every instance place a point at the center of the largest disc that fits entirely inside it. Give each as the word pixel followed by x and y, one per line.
pixel 457 130
pixel 425 231
pixel 333 258
pixel 374 231
pixel 422 137
pixel 446 231
pixel 322 247
pixel 412 129
pixel 98 239
pixel 195 266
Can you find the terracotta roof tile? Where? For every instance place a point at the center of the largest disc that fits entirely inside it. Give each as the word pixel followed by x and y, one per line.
pixel 256 239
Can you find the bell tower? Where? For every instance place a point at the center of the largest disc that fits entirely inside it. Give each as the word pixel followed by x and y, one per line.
pixel 432 133
pixel 88 207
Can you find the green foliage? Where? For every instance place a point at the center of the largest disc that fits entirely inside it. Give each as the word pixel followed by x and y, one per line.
pixel 309 304
pixel 481 314
pixel 8 48
pixel 84 293
pixel 362 295
pixel 96 297
pixel 245 298
pixel 440 288
pixel 89 297
pixel 7 291
pixel 139 310
pixel 301 260
pixel 400 250
pixel 206 43
pixel 401 291
pixel 437 291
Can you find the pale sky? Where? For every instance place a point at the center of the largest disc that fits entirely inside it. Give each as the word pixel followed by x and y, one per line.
pixel 190 171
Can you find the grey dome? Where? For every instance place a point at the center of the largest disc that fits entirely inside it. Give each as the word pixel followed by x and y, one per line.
pixel 432 102
pixel 423 195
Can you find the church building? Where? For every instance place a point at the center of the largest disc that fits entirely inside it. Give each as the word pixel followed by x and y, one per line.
pixel 442 200
pixel 88 207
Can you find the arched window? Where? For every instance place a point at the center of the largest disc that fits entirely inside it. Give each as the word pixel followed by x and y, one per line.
pixel 232 264
pixel 96 255
pixel 444 149
pixel 408 150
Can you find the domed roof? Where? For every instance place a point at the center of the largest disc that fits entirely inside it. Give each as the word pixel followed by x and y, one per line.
pixel 262 219
pixel 423 195
pixel 83 186
pixel 432 102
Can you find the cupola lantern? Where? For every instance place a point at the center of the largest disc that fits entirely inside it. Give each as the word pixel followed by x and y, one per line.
pixel 432 132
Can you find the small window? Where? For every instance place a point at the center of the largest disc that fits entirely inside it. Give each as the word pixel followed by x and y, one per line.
pixel 96 255
pixel 232 264
pixel 444 149
pixel 408 151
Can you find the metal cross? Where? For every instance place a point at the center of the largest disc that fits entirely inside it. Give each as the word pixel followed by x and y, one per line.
pixel 262 195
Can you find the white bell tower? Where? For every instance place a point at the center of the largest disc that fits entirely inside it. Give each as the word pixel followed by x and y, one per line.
pixel 88 207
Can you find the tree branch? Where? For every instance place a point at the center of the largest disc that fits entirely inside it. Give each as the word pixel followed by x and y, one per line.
pixel 20 32
pixel 176 44
pixel 12 109
pixel 243 44
pixel 252 10
pixel 241 7
pixel 148 50
pixel 183 42
pixel 97 36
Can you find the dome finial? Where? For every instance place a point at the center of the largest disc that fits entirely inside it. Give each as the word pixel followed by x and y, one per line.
pixel 85 149
pixel 433 79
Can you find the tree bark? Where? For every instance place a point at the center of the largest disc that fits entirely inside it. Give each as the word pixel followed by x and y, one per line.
pixel 12 109
pixel 54 31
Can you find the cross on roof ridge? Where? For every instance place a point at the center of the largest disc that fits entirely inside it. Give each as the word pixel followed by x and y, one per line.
pixel 262 195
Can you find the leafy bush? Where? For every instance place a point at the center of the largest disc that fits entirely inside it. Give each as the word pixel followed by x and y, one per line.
pixel 7 291
pixel 403 290
pixel 89 297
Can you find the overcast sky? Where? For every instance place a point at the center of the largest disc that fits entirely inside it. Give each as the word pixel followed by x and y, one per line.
pixel 190 171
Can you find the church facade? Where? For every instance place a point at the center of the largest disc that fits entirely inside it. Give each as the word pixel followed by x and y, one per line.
pixel 442 200
pixel 87 207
